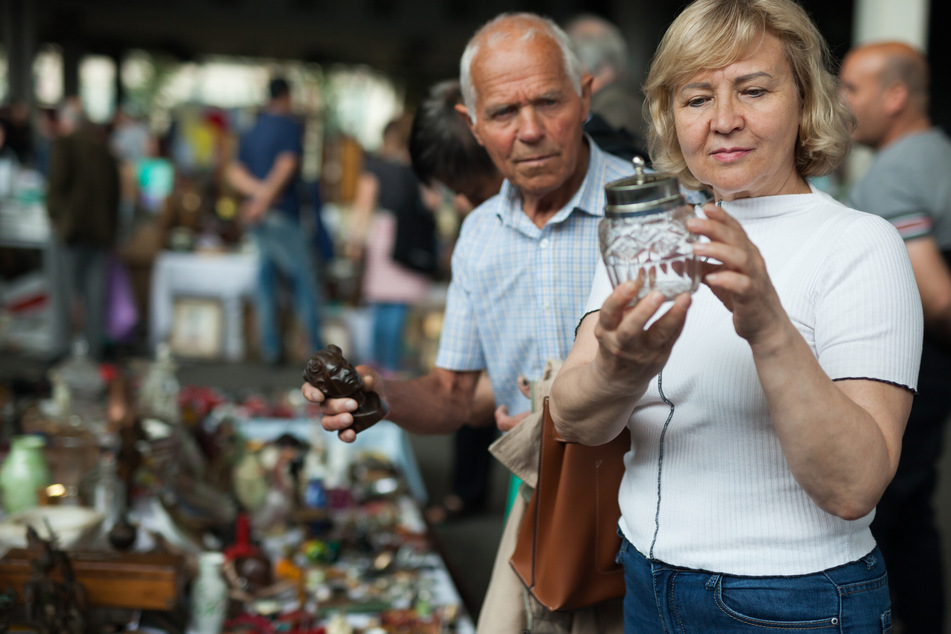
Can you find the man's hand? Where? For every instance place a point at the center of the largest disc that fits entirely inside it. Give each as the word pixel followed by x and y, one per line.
pixel 506 422
pixel 253 211
pixel 502 419
pixel 336 412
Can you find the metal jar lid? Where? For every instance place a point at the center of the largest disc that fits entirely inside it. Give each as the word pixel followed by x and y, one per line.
pixel 641 193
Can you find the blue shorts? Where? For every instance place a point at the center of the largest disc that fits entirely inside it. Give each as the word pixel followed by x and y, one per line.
pixel 663 599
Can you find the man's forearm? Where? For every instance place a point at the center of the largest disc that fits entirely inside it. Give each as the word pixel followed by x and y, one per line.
pixel 436 403
pixel 242 180
pixel 281 174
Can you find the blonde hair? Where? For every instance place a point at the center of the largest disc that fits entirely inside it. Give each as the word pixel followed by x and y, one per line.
pixel 711 34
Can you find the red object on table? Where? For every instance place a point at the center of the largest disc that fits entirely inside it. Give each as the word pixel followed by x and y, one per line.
pixel 242 546
pixel 250 562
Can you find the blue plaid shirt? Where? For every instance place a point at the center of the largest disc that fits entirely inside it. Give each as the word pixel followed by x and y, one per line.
pixel 517 290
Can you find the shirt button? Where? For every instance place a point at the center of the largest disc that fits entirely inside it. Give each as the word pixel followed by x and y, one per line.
pixel 546 306
pixel 544 243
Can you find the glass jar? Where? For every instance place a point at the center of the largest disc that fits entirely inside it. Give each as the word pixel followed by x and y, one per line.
pixel 644 235
pixel 24 473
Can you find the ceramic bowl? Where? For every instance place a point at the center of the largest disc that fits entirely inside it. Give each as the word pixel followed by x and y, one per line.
pixel 72 525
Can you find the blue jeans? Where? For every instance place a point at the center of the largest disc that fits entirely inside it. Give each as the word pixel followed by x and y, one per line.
pixel 77 272
pixel 388 322
pixel 282 248
pixel 664 599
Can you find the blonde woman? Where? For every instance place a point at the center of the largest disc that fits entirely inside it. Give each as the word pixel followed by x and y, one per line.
pixel 766 411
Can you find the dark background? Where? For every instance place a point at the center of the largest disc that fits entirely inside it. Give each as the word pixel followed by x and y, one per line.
pixel 417 42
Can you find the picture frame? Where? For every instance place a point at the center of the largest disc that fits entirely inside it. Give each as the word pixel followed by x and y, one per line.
pixel 197 327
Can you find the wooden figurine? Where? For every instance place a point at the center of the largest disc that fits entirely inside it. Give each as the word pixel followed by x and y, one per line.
pixel 332 374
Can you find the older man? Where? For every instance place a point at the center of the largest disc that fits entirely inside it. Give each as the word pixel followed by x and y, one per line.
pixel 909 183
pixel 525 258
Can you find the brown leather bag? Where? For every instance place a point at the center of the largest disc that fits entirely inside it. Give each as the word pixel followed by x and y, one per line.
pixel 565 554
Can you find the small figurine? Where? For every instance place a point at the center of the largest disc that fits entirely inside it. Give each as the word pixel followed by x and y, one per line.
pixel 332 374
pixel 52 606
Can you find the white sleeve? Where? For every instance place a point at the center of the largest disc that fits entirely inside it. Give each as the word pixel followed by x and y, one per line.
pixel 868 312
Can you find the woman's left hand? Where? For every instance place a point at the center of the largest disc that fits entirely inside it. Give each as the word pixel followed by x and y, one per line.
pixel 740 281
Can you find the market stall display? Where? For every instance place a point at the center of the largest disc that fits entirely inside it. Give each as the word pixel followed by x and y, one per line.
pixel 306 534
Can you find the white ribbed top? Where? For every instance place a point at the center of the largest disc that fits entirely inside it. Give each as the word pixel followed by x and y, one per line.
pixel 724 498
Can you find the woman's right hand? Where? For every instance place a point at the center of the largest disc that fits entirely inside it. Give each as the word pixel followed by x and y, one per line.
pixel 630 351
pixel 615 355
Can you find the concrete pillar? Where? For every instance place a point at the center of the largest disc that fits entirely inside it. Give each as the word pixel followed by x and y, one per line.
pixel 904 20
pixel 72 54
pixel 18 30
pixel 117 59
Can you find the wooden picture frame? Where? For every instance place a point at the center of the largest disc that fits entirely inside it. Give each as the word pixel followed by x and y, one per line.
pixel 197 327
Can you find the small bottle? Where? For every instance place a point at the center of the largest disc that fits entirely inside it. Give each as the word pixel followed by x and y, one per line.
pixel 23 474
pixel 158 395
pixel 314 485
pixel 209 598
pixel 104 491
pixel 250 478
pixel 81 373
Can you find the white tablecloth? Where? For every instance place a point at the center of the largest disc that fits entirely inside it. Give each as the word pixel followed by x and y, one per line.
pixel 229 278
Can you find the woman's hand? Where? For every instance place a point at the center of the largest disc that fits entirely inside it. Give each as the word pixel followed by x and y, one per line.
pixel 336 412
pixel 741 281
pixel 629 351
pixel 614 358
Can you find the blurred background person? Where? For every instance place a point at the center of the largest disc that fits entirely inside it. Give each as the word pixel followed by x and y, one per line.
pixel 82 200
pixel 909 183
pixel 616 122
pixel 131 140
pixel 132 143
pixel 15 117
pixel 442 149
pixel 388 202
pixel 9 163
pixel 47 129
pixel 267 172
pixel 444 152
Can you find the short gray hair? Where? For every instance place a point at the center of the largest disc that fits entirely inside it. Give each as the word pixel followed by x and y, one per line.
pixel 490 32
pixel 598 43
